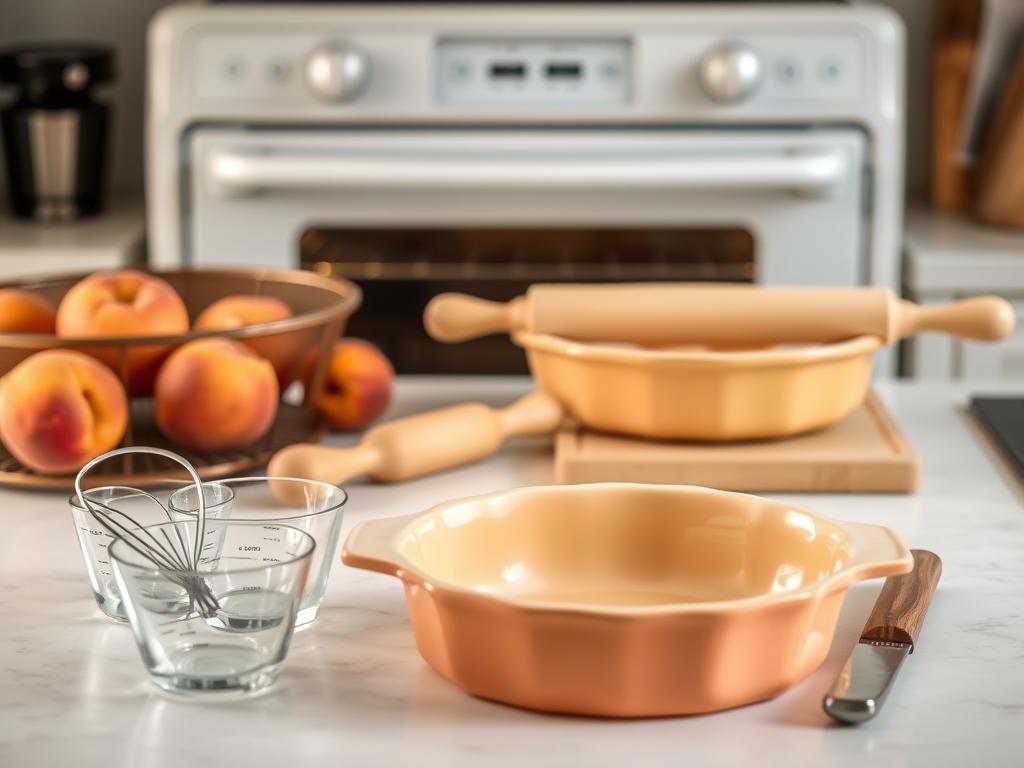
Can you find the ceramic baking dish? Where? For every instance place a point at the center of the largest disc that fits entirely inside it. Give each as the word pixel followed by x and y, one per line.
pixel 695 393
pixel 624 600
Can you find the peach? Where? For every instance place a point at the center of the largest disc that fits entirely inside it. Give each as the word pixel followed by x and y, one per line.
pixel 59 409
pixel 215 395
pixel 237 311
pixel 24 312
pixel 358 386
pixel 119 304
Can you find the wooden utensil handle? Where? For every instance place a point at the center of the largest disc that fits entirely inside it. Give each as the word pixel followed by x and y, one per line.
pixel 453 317
pixel 421 444
pixel 982 318
pixel 899 612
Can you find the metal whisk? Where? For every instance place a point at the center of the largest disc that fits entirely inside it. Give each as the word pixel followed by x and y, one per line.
pixel 171 555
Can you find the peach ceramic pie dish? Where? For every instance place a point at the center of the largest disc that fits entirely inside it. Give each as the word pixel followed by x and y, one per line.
pixel 624 600
pixel 701 393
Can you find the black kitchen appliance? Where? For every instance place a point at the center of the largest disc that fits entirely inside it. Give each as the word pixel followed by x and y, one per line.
pixel 1003 419
pixel 55 131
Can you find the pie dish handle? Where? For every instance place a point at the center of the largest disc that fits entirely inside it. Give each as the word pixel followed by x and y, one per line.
pixel 373 545
pixel 875 551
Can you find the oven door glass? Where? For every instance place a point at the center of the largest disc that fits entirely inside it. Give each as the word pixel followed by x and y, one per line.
pixel 409 214
pixel 399 271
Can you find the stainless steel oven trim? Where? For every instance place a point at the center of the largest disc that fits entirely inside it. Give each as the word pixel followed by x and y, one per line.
pixel 235 172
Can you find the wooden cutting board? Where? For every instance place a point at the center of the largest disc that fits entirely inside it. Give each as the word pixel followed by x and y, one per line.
pixel 865 452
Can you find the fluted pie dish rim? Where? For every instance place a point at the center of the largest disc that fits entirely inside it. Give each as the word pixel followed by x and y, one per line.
pixel 388 557
pixel 687 355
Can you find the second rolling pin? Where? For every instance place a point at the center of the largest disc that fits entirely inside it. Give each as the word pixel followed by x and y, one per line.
pixel 661 314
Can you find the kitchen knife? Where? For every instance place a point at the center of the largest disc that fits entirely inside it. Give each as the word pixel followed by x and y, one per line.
pixel 889 635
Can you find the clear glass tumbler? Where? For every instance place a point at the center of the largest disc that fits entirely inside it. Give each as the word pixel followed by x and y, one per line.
pixel 230 634
pixel 313 507
pixel 136 509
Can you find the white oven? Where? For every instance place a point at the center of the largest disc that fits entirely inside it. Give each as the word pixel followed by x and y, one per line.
pixel 417 149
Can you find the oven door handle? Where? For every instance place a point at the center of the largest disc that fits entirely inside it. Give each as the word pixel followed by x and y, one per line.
pixel 814 171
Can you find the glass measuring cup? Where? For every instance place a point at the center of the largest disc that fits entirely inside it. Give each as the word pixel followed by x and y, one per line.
pixel 240 606
pixel 95 540
pixel 313 507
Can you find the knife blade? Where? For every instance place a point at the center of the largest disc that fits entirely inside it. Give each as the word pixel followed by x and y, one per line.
pixel 889 636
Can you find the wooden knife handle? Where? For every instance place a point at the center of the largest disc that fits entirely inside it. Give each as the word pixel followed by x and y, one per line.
pixel 899 612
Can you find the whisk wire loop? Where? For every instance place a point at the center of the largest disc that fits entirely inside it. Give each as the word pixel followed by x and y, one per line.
pixel 181 566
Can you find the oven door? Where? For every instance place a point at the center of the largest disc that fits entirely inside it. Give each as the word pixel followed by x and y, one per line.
pixel 409 214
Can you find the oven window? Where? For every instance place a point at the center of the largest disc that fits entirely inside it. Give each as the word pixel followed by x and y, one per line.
pixel 399 271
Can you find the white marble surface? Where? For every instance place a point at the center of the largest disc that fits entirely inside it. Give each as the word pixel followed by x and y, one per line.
pixel 355 692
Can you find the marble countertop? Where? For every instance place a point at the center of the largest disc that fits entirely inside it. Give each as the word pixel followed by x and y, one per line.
pixel 355 692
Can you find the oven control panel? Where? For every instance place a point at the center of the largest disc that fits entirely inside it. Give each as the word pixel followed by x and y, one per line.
pixel 688 74
pixel 533 72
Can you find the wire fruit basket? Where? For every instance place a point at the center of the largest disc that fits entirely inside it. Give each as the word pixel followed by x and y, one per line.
pixel 320 308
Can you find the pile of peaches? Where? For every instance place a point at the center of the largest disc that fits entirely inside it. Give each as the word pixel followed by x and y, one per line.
pixel 59 408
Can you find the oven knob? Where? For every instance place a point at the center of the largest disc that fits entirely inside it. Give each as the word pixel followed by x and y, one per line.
pixel 337 71
pixel 730 72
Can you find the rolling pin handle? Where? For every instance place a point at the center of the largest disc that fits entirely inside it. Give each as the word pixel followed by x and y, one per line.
pixel 418 445
pixel 982 318
pixel 325 463
pixel 534 414
pixel 453 317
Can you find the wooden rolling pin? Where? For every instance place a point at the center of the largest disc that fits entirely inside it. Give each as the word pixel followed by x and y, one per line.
pixel 662 314
pixel 421 444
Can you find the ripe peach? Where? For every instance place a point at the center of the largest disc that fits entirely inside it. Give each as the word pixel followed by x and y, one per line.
pixel 215 395
pixel 358 386
pixel 124 303
pixel 237 311
pixel 59 408
pixel 24 312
